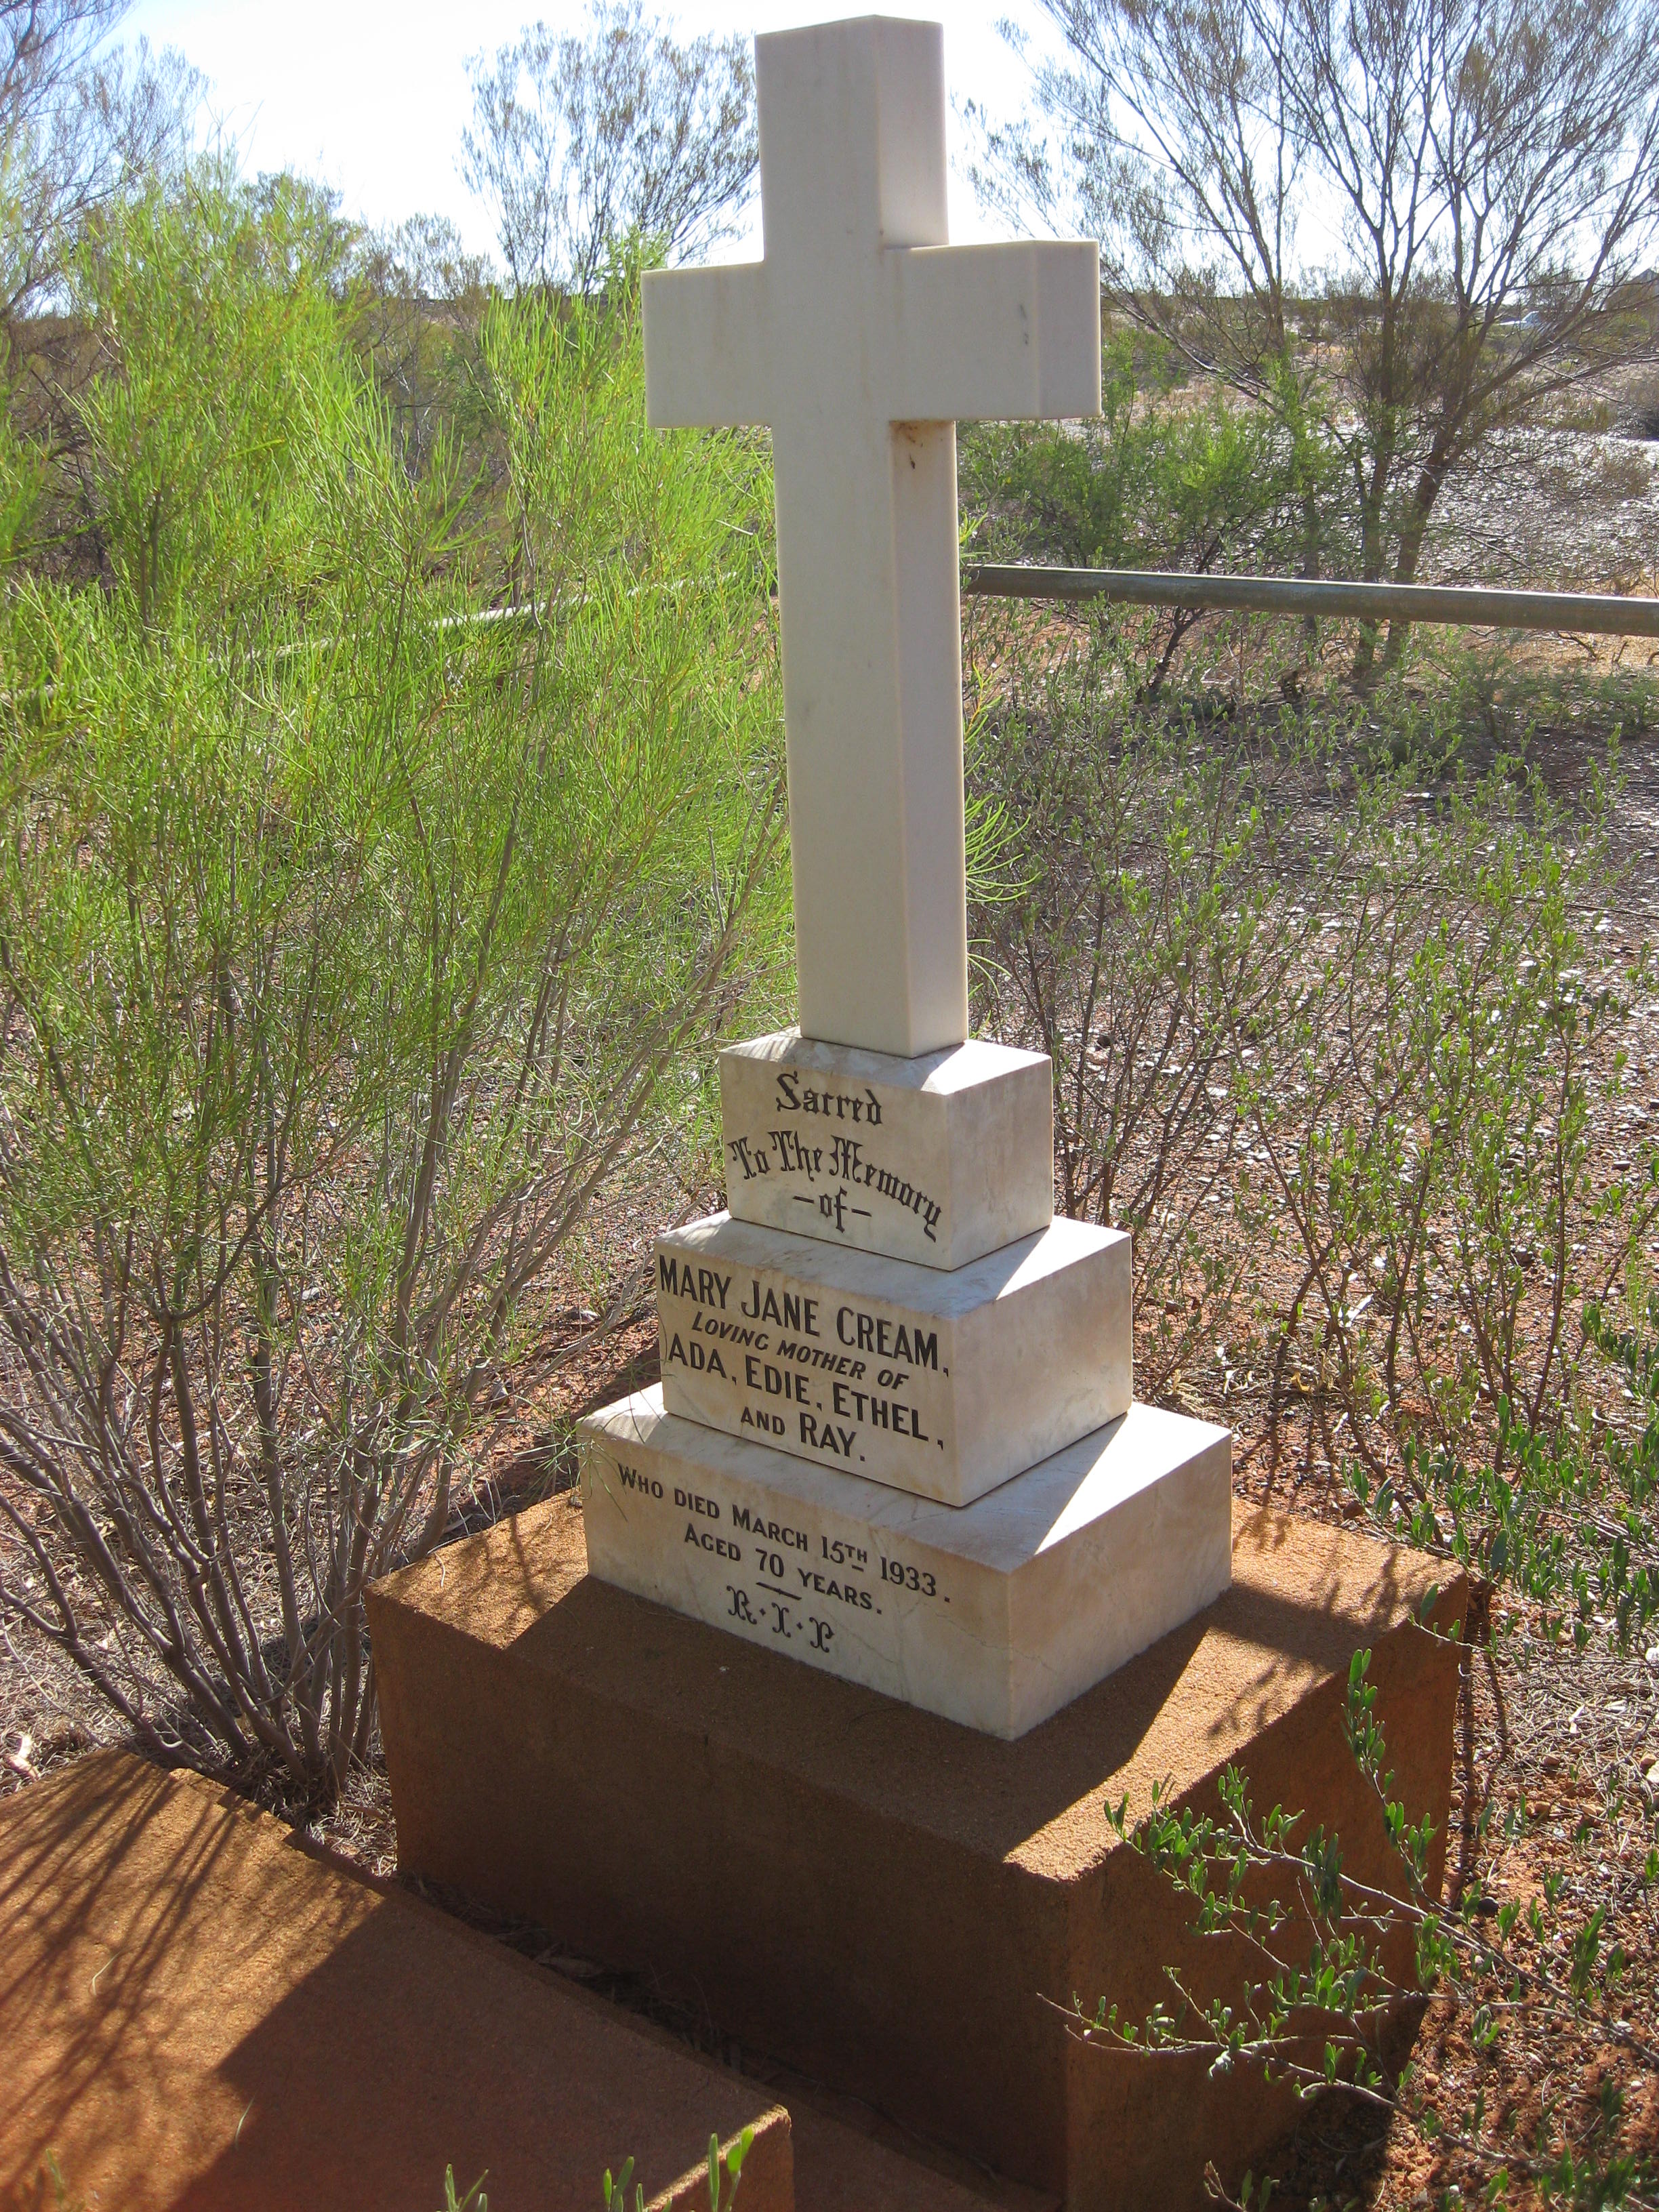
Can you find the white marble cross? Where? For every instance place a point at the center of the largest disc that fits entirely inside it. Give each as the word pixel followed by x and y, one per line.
pixel 862 338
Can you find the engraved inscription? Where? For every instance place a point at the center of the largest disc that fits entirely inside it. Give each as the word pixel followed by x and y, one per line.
pixel 797 1096
pixel 840 1172
pixel 841 1379
pixel 773 1577
pixel 937 1161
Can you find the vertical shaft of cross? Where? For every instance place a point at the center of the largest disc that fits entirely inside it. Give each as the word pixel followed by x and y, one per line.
pixel 853 165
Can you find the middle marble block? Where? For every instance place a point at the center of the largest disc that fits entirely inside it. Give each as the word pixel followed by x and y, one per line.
pixel 945 1385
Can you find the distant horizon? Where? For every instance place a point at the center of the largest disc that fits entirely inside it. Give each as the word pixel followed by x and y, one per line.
pixel 371 100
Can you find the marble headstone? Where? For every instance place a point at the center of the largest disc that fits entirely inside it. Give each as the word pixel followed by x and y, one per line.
pixel 895 1436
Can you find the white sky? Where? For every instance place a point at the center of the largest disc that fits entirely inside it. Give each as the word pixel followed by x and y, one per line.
pixel 372 95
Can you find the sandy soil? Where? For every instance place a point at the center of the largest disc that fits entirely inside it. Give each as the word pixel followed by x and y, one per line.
pixel 1559 508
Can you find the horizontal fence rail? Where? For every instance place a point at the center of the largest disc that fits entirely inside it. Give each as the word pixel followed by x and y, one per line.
pixel 1609 613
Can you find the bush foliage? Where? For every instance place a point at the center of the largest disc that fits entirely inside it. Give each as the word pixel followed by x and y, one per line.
pixel 1338 1037
pixel 349 943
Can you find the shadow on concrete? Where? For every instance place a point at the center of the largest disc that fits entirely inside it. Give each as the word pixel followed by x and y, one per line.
pixel 200 2013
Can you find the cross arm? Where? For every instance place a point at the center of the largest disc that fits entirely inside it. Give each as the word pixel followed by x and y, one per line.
pixel 996 333
pixel 708 351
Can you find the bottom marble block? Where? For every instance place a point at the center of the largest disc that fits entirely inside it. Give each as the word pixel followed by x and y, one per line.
pixel 995 1614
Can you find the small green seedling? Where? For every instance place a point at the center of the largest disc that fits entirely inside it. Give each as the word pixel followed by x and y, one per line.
pixel 720 2171
pixel 615 2192
pixel 734 2159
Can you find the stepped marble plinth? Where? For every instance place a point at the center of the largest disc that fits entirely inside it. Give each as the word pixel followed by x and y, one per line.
pixel 938 1160
pixel 995 1614
pixel 939 1488
pixel 941 1384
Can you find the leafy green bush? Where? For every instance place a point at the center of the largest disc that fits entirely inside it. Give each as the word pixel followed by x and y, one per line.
pixel 1343 1051
pixel 1320 1988
pixel 1144 933
pixel 348 944
pixel 1312 1022
pixel 1184 484
pixel 1562 1513
pixel 1432 1154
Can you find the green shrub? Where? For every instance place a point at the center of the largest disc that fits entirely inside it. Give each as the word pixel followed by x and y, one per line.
pixel 1313 1966
pixel 1310 1020
pixel 349 945
pixel 1185 485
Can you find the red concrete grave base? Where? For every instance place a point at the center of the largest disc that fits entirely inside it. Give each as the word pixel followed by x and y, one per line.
pixel 196 2011
pixel 889 1902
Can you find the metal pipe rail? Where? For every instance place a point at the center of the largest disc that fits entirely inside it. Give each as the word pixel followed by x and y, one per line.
pixel 1604 611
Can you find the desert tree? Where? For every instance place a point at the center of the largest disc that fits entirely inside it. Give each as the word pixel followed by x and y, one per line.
pixel 419 294
pixel 1457 192
pixel 579 142
pixel 422 258
pixel 78 121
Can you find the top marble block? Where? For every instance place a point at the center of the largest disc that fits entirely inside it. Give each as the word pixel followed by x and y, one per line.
pixel 939 1159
